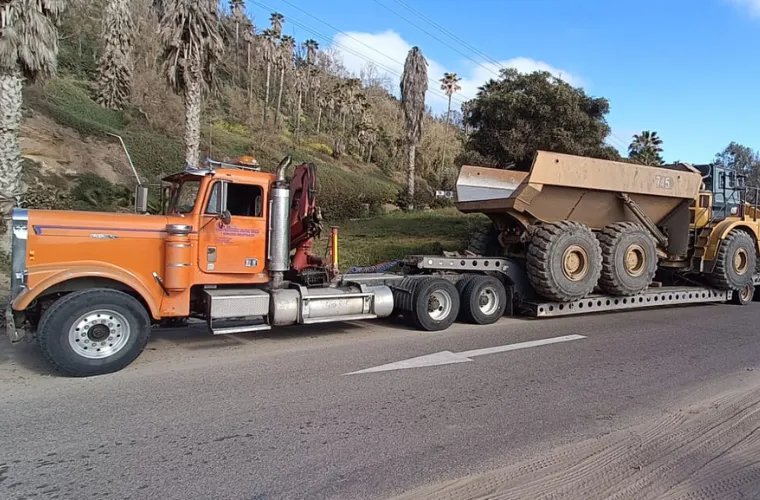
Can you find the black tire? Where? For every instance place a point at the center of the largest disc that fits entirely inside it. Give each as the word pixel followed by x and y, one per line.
pixel 485 242
pixel 546 254
pixel 86 308
pixel 620 241
pixel 728 276
pixel 424 298
pixel 460 285
pixel 744 295
pixel 477 290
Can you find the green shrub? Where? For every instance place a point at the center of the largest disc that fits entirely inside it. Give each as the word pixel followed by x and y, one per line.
pixel 94 193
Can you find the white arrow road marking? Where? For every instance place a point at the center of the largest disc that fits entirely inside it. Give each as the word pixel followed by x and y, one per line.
pixel 448 357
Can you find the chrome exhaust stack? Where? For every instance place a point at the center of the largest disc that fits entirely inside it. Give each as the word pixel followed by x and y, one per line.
pixel 279 225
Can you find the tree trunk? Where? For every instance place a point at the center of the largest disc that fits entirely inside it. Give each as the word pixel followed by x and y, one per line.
pixel 369 155
pixel 319 119
pixel 446 134
pixel 192 118
pixel 11 187
pixel 279 95
pixel 298 115
pixel 250 76
pixel 237 65
pixel 410 175
pixel 266 96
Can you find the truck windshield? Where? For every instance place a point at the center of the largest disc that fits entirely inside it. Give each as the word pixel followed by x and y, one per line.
pixel 184 195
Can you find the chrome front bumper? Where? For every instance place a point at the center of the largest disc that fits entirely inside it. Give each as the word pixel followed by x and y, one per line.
pixel 14 334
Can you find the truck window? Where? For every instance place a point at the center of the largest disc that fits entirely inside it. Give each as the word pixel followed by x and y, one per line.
pixel 243 200
pixel 183 198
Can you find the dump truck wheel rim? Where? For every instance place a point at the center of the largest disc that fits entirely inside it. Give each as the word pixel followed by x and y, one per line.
pixel 99 334
pixel 439 305
pixel 746 292
pixel 488 301
pixel 575 263
pixel 741 261
pixel 635 260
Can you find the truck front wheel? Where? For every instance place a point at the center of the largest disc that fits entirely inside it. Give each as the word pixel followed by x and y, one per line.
pixel 93 332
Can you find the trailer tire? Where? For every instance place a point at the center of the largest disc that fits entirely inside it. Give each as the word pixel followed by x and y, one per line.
pixel 93 332
pixel 744 295
pixel 629 258
pixel 461 285
pixel 564 261
pixel 484 300
pixel 435 304
pixel 735 262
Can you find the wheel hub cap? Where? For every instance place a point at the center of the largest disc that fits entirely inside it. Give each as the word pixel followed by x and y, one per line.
pixel 635 260
pixel 99 334
pixel 575 263
pixel 741 261
pixel 488 301
pixel 439 305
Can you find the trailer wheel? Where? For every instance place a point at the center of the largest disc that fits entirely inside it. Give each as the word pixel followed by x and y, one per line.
pixel 629 258
pixel 735 262
pixel 564 261
pixel 93 332
pixel 461 285
pixel 744 295
pixel 435 304
pixel 484 300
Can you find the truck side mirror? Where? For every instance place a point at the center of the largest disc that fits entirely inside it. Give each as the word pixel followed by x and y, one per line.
pixel 221 204
pixel 225 217
pixel 141 199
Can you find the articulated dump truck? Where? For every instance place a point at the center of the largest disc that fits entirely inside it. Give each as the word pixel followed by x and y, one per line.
pixel 233 248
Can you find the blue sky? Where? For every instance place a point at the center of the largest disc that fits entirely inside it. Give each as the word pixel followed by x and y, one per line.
pixel 689 69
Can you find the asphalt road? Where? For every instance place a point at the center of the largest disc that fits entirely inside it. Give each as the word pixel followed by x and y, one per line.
pixel 275 417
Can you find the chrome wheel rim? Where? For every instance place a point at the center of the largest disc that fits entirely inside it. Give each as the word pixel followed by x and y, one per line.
pixel 99 334
pixel 439 305
pixel 488 301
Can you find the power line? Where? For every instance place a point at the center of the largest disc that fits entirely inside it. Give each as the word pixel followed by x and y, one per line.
pixel 329 40
pixel 435 37
pixel 449 33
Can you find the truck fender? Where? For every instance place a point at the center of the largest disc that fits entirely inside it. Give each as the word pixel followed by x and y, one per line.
pixel 722 230
pixel 46 278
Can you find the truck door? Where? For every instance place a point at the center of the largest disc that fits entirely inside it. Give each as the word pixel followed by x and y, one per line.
pixel 240 246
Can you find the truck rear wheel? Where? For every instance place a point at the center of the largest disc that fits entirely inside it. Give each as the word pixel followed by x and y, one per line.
pixel 483 300
pixel 564 261
pixel 629 258
pixel 93 332
pixel 435 304
pixel 735 262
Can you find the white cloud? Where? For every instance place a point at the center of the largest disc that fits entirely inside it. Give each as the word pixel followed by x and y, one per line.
pixel 387 50
pixel 753 6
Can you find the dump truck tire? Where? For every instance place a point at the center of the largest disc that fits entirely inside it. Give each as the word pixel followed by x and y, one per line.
pixel 564 261
pixel 629 258
pixel 735 262
pixel 744 295
pixel 484 300
pixel 485 242
pixel 93 332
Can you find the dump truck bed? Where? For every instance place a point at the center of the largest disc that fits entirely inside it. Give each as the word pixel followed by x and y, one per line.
pixel 567 187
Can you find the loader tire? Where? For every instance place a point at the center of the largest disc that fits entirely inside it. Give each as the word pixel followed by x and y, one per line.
pixel 629 258
pixel 564 261
pixel 735 262
pixel 485 242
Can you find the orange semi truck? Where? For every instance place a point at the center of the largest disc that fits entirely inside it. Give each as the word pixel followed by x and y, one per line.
pixel 233 248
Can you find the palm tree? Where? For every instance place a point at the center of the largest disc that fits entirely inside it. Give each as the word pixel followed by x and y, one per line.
pixel 249 37
pixel 28 50
pixel 311 46
pixel 192 47
pixel 646 148
pixel 237 10
pixel 277 21
pixel 321 105
pixel 114 80
pixel 449 85
pixel 300 87
pixel 414 85
pixel 285 61
pixel 269 52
